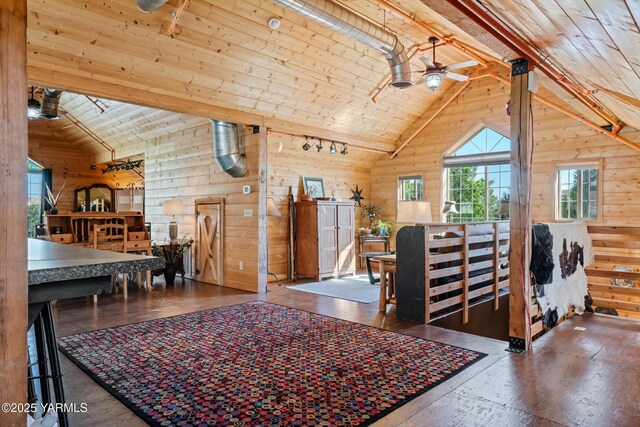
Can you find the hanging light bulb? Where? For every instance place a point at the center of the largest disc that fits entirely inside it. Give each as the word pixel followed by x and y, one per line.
pixel 332 149
pixel 344 150
pixel 433 81
pixel 33 107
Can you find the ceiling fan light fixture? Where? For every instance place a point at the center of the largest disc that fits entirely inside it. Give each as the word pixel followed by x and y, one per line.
pixel 433 81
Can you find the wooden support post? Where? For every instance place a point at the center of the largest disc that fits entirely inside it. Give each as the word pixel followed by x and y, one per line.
pixel 13 212
pixel 427 277
pixel 465 279
pixel 520 229
pixel 263 241
pixel 496 266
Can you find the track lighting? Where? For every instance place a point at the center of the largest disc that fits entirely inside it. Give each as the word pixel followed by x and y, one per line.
pixel 306 145
pixel 332 149
pixel 33 107
pixel 319 147
pixel 344 150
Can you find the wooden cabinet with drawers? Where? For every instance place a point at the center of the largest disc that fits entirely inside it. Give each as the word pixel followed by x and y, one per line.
pixel 325 239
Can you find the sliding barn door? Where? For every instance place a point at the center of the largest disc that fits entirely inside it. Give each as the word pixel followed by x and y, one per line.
pixel 209 244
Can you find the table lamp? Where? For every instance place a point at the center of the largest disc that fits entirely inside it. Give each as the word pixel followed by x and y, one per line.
pixel 173 207
pixel 414 212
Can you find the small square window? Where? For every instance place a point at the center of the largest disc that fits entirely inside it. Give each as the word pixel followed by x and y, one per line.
pixel 578 187
pixel 410 188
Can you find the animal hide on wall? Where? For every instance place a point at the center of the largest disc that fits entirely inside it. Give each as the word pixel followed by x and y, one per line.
pixel 559 254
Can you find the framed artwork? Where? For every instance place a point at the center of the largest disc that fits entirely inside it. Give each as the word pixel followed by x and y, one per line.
pixel 313 186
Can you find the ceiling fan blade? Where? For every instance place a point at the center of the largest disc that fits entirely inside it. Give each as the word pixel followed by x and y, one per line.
pixel 420 80
pixel 428 62
pixel 456 76
pixel 469 63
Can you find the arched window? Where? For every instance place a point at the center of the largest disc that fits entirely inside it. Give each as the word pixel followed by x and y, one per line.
pixel 478 178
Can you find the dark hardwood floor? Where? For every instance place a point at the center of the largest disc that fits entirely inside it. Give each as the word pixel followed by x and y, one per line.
pixel 572 377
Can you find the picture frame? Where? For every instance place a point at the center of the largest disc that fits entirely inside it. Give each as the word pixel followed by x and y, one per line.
pixel 313 186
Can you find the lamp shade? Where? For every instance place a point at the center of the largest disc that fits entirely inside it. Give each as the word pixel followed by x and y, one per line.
pixel 414 212
pixel 272 209
pixel 173 207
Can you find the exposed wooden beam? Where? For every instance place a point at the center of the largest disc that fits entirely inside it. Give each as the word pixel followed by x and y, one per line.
pixel 13 218
pixel 519 208
pixel 168 102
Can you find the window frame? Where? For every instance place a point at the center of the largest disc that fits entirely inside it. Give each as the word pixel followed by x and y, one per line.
pixel 490 158
pixel 400 183
pixel 573 165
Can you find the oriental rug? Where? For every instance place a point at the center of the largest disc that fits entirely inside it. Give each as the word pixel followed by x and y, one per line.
pixel 261 364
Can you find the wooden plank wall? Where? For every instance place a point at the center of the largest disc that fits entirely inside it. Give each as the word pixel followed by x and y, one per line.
pixel 288 163
pixel 557 137
pixel 181 165
pixel 72 167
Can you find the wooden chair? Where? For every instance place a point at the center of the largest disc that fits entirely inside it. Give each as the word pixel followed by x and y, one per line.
pixel 111 237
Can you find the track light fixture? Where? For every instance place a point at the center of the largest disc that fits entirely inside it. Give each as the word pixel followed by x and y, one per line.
pixel 33 107
pixel 319 147
pixel 306 145
pixel 122 166
pixel 344 150
pixel 332 149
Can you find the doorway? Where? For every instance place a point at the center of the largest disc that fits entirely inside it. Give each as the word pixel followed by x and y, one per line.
pixel 209 242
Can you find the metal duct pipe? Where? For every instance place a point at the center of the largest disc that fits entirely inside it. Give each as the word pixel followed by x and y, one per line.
pixel 150 5
pixel 346 22
pixel 226 148
pixel 50 103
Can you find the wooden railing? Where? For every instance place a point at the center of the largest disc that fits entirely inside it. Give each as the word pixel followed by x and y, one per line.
pixel 464 262
pixel 615 246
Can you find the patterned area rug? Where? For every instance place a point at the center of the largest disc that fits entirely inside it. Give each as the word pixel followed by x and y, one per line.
pixel 261 364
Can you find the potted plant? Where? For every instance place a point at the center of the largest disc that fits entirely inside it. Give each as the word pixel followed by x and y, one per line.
pixel 364 231
pixel 384 227
pixel 53 201
pixel 371 212
pixel 171 253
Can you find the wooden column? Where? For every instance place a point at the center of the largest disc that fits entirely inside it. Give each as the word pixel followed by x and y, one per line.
pixel 263 238
pixel 13 208
pixel 519 210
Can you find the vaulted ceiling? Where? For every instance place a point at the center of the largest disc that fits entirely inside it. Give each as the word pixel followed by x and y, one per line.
pixel 223 61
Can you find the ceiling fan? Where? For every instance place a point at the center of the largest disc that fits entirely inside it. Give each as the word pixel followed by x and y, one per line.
pixel 436 72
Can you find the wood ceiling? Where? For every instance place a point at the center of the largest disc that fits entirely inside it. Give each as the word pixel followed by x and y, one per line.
pixel 223 61
pixel 596 43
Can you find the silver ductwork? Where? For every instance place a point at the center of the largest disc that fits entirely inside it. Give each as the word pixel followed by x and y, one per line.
pixel 150 5
pixel 344 21
pixel 50 103
pixel 227 139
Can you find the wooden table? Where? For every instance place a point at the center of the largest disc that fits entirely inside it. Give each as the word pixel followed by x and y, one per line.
pixel 63 271
pixel 387 264
pixel 363 240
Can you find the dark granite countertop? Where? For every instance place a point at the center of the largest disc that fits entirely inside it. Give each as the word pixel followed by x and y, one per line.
pixel 55 262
